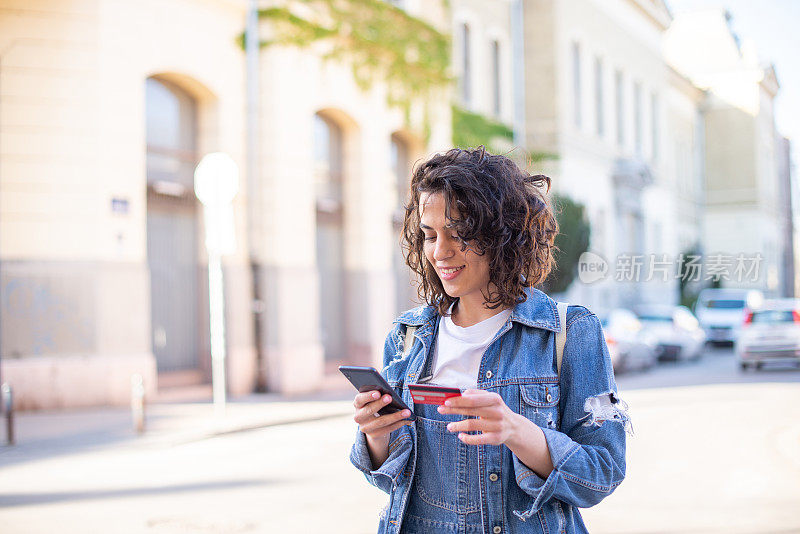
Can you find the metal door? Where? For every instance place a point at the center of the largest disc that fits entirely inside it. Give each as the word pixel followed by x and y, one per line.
pixel 171 255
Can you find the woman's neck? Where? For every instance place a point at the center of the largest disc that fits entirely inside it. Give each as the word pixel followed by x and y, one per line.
pixel 467 312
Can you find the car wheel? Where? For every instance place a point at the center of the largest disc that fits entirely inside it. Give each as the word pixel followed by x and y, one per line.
pixel 743 366
pixel 759 365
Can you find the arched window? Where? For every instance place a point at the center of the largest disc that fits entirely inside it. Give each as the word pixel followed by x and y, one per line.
pixel 171 136
pixel 328 185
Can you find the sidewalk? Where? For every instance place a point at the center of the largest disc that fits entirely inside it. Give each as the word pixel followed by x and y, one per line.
pixel 167 422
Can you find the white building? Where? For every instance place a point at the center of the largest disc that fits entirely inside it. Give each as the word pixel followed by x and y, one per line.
pixel 482 57
pixel 598 93
pixel 743 213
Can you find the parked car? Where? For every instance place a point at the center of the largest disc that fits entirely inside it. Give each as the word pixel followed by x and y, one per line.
pixel 721 311
pixel 630 347
pixel 770 334
pixel 676 330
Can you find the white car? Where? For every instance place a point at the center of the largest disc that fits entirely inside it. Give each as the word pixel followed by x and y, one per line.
pixel 721 311
pixel 770 334
pixel 629 346
pixel 676 330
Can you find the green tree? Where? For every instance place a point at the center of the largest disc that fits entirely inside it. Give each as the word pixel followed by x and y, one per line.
pixel 689 286
pixel 572 241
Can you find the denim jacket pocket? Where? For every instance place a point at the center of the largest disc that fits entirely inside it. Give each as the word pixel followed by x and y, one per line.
pixel 539 403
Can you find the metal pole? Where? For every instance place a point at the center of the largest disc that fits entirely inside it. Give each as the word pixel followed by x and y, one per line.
pixel 137 402
pixel 254 228
pixel 8 401
pixel 2 402
pixel 217 322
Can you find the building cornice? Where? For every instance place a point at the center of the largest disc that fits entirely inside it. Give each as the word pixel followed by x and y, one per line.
pixel 770 80
pixel 655 10
pixel 685 85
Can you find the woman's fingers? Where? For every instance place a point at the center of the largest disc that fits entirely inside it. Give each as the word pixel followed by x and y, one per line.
pixel 487 438
pixel 363 398
pixel 475 399
pixel 491 411
pixel 474 425
pixel 371 408
pixel 377 426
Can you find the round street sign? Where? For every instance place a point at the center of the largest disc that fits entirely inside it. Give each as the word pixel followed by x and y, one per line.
pixel 216 179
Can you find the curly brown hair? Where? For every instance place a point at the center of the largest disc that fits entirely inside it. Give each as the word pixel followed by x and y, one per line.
pixel 501 211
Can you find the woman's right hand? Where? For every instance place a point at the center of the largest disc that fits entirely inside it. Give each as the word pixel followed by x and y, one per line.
pixel 378 428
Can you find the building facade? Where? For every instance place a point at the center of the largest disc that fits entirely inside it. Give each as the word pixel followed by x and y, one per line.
pixel 107 107
pixel 742 181
pixel 596 95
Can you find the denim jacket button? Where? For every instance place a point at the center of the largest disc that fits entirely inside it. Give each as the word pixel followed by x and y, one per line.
pixel 497 530
pixel 488 374
pixel 493 477
pixel 549 398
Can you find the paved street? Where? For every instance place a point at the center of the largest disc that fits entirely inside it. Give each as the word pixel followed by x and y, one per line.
pixel 714 450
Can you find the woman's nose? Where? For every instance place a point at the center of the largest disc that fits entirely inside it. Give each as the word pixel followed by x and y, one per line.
pixel 443 250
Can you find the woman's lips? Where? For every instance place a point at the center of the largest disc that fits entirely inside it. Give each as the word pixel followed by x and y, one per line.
pixel 448 273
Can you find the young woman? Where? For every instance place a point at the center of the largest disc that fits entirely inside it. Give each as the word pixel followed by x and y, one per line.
pixel 527 443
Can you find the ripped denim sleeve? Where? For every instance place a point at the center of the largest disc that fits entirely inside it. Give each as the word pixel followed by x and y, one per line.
pixel 588 450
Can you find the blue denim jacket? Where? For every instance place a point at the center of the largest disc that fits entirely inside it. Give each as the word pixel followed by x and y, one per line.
pixel 583 421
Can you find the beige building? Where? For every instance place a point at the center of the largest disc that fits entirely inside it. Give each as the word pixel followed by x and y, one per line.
pixel 105 108
pixel 741 174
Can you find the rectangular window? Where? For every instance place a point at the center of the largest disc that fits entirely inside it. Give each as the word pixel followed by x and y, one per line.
pixel 496 77
pixel 466 66
pixel 654 124
pixel 598 95
pixel 576 79
pixel 637 118
pixel 619 88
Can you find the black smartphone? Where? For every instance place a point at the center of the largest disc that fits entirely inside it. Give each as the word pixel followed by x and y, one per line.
pixel 369 379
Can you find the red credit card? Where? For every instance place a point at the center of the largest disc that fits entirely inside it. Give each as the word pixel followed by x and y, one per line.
pixel 428 394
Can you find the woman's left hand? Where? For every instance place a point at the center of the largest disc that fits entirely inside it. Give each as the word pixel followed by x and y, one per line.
pixel 497 422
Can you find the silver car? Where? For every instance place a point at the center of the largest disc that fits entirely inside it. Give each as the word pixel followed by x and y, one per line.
pixel 770 333
pixel 676 330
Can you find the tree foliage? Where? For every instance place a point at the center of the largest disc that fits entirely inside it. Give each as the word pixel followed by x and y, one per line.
pixel 572 241
pixel 380 41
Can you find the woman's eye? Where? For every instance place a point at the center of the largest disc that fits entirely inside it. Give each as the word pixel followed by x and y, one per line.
pixel 430 237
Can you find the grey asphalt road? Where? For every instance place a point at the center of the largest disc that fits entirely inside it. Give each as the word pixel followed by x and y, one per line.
pixel 714 450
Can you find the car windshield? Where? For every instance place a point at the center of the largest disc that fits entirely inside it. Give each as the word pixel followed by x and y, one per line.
pixel 725 304
pixel 773 316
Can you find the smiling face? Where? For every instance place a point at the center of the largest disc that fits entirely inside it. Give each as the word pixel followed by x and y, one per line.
pixel 464 274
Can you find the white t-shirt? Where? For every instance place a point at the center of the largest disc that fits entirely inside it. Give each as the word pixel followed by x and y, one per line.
pixel 458 351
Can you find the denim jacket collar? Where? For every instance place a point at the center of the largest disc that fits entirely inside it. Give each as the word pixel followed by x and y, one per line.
pixel 538 311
